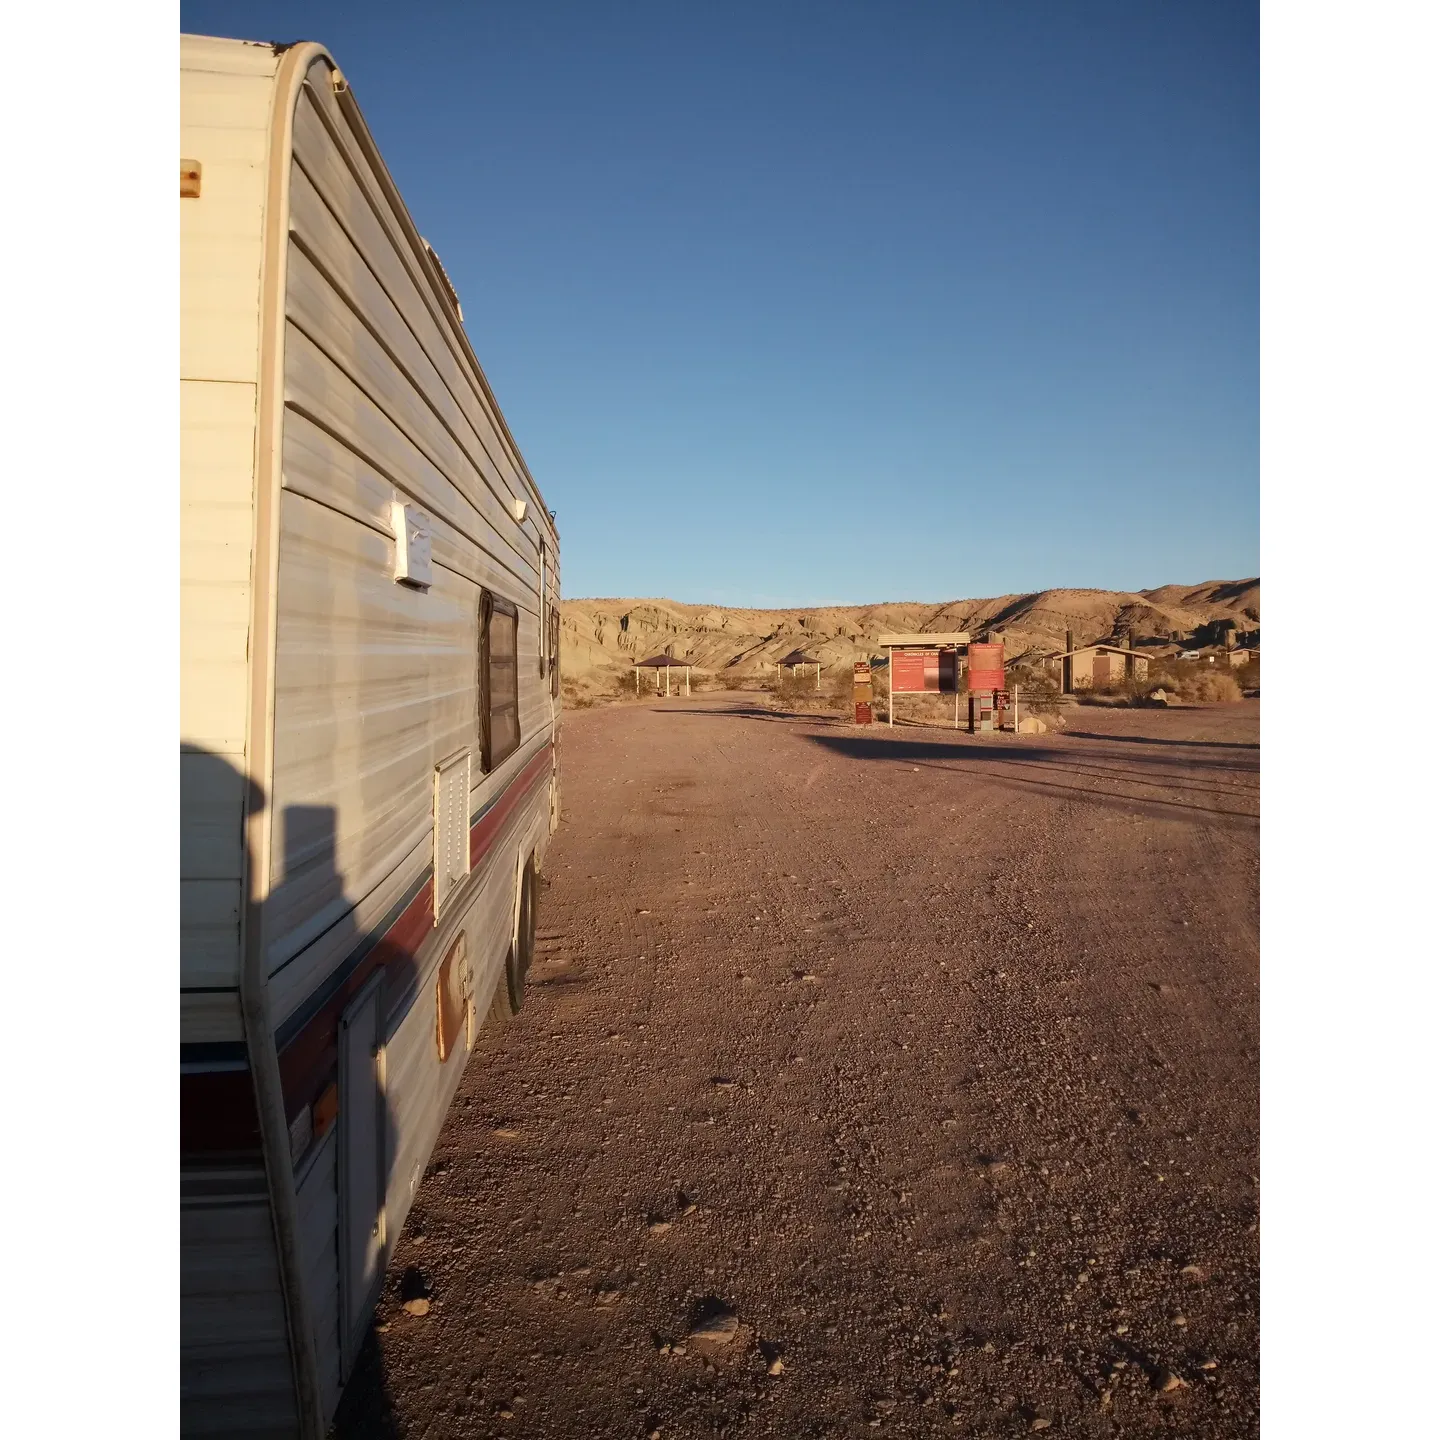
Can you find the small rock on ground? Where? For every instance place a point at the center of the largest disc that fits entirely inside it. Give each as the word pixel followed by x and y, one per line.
pixel 716 1323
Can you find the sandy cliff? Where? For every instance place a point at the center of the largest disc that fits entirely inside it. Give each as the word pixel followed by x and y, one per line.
pixel 602 637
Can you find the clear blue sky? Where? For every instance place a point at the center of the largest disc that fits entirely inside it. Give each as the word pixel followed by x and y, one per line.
pixel 853 301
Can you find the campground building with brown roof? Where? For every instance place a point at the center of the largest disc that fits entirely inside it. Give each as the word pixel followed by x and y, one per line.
pixel 1089 667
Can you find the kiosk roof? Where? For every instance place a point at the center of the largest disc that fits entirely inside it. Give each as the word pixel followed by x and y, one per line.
pixel 939 640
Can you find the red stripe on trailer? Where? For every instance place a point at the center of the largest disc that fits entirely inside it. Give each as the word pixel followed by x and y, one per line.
pixel 308 1060
pixel 217 1108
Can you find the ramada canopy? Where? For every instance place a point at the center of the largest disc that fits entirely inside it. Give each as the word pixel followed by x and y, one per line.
pixel 662 662
pixel 798 657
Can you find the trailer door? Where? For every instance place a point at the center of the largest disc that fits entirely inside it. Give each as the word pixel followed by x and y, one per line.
pixel 361 1169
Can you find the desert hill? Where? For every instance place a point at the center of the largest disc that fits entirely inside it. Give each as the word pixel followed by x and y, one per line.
pixel 600 638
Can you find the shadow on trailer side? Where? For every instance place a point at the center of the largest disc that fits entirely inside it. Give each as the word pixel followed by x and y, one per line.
pixel 286 1254
pixel 239 1319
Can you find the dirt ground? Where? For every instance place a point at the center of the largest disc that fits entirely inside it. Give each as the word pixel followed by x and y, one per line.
pixel 927 1063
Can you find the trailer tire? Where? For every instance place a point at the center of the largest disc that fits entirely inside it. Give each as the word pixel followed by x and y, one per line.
pixel 498 1016
pixel 510 991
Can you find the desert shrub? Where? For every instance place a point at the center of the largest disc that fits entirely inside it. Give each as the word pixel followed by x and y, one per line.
pixel 792 688
pixel 840 688
pixel 1248 675
pixel 602 688
pixel 1210 687
pixel 572 697
pixel 708 682
pixel 731 678
pixel 1138 692
pixel 929 708
pixel 1039 693
pixel 879 699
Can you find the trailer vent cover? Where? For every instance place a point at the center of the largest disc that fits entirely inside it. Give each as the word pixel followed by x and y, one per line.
pixel 452 827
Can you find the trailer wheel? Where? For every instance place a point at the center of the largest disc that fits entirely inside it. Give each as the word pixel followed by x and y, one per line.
pixel 510 994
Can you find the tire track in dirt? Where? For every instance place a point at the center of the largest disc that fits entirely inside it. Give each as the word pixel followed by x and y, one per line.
pixel 917 1042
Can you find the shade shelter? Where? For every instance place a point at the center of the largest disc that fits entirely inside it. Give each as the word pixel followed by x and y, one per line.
pixel 657 663
pixel 794 661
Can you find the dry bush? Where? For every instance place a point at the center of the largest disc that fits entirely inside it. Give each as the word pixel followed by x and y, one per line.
pixel 1039 692
pixel 601 688
pixel 1210 687
pixel 879 691
pixel 837 690
pixel 731 678
pixel 572 697
pixel 1248 675
pixel 840 693
pixel 706 682
pixel 930 707
pixel 792 688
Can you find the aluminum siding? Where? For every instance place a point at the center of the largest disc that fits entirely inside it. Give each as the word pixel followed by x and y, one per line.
pixel 375 683
pixel 225 97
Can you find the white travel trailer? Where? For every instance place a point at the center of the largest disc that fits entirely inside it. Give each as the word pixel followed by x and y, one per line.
pixel 368 754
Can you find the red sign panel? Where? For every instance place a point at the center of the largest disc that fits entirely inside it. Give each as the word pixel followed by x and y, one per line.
pixel 907 668
pixel 914 670
pixel 987 667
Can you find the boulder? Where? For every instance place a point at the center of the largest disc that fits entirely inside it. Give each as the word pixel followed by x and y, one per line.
pixel 1031 725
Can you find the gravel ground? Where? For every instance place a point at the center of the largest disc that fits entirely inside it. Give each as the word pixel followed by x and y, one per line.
pixel 889 1080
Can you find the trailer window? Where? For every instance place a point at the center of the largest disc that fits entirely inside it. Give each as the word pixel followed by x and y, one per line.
pixel 499 680
pixel 554 647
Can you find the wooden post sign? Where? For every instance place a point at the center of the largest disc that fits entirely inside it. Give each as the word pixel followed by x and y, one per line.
pixel 863 693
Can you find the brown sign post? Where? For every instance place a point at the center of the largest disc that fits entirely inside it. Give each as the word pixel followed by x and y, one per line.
pixel 985 680
pixel 863 694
